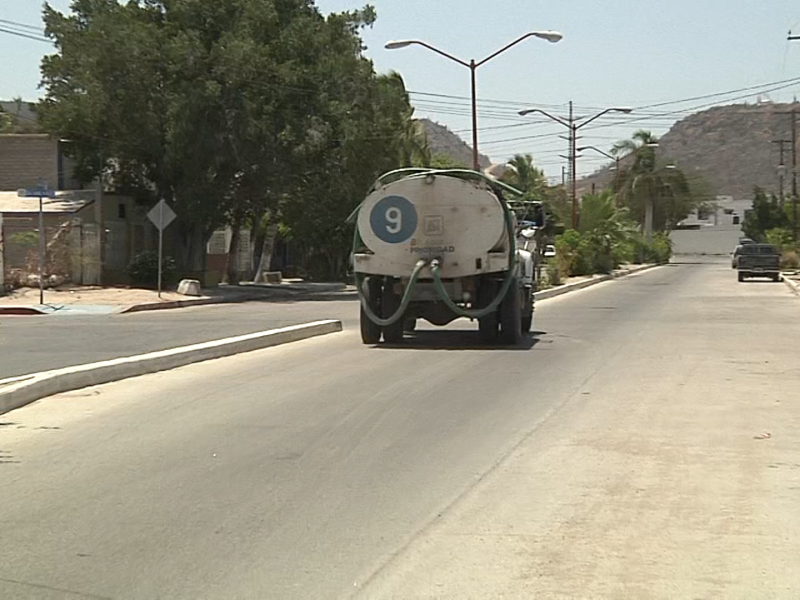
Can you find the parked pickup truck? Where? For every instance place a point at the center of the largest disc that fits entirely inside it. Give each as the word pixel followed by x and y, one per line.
pixel 758 260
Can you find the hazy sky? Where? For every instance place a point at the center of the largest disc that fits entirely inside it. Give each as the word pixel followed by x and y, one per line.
pixel 614 53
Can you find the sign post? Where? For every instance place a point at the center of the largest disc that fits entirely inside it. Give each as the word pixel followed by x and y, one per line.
pixel 41 191
pixel 161 215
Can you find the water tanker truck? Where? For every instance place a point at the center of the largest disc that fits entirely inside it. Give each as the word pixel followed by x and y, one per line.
pixel 442 244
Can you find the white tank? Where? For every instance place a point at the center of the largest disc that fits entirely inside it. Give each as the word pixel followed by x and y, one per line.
pixel 457 221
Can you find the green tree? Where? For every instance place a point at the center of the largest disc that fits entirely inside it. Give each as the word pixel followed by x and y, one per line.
pixel 766 214
pixel 251 113
pixel 358 140
pixel 5 121
pixel 439 160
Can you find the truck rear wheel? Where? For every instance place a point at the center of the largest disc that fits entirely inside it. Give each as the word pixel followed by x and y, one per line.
pixel 392 334
pixel 741 277
pixel 511 315
pixel 370 332
pixel 527 313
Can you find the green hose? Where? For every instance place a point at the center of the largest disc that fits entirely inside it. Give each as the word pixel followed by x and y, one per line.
pixel 421 264
pixel 492 306
pixel 438 285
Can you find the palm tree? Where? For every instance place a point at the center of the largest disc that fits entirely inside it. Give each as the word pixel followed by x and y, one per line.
pixel 414 148
pixel 521 173
pixel 655 193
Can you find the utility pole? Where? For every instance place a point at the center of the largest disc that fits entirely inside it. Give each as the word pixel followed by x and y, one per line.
pixel 573 164
pixel 791 38
pixel 793 115
pixel 794 174
pixel 573 124
pixel 781 166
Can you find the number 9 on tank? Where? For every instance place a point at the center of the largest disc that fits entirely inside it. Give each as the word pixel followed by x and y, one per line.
pixel 393 219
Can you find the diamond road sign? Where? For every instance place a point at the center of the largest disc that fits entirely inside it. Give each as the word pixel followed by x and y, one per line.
pixel 161 215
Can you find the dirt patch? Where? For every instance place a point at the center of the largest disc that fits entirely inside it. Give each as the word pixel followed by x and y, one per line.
pixel 94 295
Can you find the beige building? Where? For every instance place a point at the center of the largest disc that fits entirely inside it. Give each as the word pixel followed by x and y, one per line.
pixel 76 221
pixel 30 158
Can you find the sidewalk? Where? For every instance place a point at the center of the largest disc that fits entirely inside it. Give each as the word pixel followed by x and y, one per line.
pixel 85 299
pixel 108 300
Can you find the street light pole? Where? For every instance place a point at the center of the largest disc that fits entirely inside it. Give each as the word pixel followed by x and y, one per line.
pixel 572 124
pixel 472 65
pixel 475 155
pixel 607 155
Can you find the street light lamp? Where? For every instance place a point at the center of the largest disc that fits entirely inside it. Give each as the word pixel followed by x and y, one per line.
pixel 472 65
pixel 572 123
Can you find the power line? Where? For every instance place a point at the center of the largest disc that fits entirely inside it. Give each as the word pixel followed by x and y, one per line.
pixel 761 88
pixel 16 24
pixel 693 109
pixel 25 35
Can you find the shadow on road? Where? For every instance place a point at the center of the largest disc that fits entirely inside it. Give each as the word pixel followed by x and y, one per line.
pixel 458 340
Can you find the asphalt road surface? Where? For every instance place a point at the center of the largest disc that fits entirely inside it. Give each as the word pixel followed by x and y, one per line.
pixel 642 445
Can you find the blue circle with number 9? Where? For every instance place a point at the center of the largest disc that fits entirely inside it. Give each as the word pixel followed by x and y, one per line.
pixel 393 219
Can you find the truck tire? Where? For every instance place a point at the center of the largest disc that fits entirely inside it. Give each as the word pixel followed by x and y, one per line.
pixel 487 325
pixel 741 277
pixel 370 332
pixel 392 334
pixel 776 278
pixel 527 313
pixel 410 325
pixel 511 315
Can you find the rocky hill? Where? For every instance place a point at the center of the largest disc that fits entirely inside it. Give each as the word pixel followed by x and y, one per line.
pixel 443 141
pixel 730 147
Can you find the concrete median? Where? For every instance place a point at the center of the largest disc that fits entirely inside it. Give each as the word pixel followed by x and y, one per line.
pixel 19 391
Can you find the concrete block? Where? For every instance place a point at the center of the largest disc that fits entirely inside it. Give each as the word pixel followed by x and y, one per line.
pixel 189 287
pixel 271 277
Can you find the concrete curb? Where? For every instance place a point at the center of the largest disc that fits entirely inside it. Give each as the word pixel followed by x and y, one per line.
pixel 19 391
pixel 579 285
pixel 185 303
pixel 265 296
pixel 792 285
pixel 20 310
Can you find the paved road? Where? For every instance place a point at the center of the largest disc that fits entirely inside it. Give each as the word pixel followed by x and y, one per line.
pixel 38 343
pixel 645 446
pixel 720 240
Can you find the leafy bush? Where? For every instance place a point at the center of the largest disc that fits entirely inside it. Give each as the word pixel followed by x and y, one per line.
pixel 143 269
pixel 790 261
pixel 26 239
pixel 780 237
pixel 659 251
pixel 662 248
pixel 573 254
pixel 553 272
pixel 587 253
